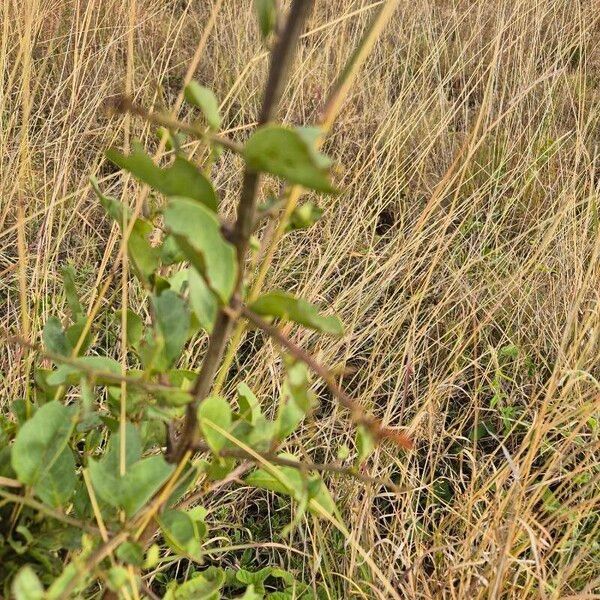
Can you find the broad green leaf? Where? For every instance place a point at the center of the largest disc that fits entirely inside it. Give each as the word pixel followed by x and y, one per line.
pixel 131 491
pixel 203 301
pixel 182 178
pixel 41 441
pixel 284 305
pixel 288 153
pixel 198 234
pixel 26 585
pixel 214 409
pixel 254 577
pixel 142 477
pixel 266 11
pixel 205 99
pixel 68 275
pixel 54 337
pixel 182 533
pixel 173 321
pixel 56 486
pixel 71 374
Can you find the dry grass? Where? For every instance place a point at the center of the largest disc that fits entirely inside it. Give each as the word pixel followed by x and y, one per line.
pixel 463 257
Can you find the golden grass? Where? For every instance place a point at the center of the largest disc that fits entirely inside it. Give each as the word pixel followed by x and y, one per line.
pixel 463 258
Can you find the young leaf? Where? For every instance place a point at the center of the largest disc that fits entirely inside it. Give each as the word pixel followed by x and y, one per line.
pixel 182 178
pixel 203 301
pixel 214 409
pixel 284 305
pixel 68 275
pixel 198 234
pixel 26 585
pixel 305 216
pixel 287 153
pixel 173 321
pixel 248 403
pixel 54 337
pixel 182 533
pixel 296 400
pixel 205 99
pixel 266 11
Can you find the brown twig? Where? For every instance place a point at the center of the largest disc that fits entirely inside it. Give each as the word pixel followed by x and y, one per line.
pixel 357 413
pixel 124 104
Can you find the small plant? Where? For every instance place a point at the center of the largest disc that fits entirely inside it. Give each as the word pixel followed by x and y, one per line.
pixel 105 455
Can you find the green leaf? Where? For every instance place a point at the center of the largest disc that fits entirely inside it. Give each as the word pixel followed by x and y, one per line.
pixel 54 338
pixel 26 585
pixel 198 234
pixel 305 216
pixel 199 588
pixel 68 275
pixel 173 322
pixel 118 578
pixel 74 332
pixel 71 374
pixel 182 533
pixel 142 477
pixel 131 553
pixel 292 483
pixel 144 257
pixel 203 301
pixel 251 594
pixel 289 153
pixel 248 403
pixel 284 305
pixel 296 399
pixel 132 491
pixel 182 178
pixel 254 577
pixel 266 11
pixel 56 486
pixel 41 442
pixel 214 409
pixel 135 327
pixel 205 99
